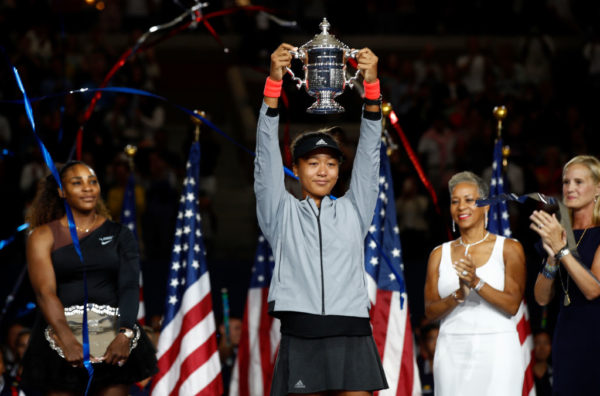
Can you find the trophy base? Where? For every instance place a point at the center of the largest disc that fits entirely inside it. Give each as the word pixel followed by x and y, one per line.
pixel 329 107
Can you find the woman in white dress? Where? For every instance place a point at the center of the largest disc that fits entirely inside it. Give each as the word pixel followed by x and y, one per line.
pixel 474 286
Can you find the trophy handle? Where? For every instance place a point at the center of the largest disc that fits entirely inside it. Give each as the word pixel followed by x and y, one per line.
pixel 350 81
pixel 298 55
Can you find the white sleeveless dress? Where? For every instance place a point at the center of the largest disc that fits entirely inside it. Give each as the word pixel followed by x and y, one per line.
pixel 478 350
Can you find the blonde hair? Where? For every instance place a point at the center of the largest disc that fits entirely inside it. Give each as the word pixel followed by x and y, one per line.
pixel 593 165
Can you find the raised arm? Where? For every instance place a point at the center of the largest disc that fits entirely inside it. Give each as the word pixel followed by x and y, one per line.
pixel 509 299
pixel 43 282
pixel 268 166
pixel 364 183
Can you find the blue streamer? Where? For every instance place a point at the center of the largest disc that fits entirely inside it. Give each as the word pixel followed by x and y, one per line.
pixel 50 163
pixel 135 91
pixel 11 239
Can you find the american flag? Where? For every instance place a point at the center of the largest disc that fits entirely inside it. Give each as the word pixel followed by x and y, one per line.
pixel 498 224
pixel 188 359
pixel 129 219
pixel 253 369
pixel 389 313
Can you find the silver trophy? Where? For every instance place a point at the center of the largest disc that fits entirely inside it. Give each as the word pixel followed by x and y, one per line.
pixel 324 59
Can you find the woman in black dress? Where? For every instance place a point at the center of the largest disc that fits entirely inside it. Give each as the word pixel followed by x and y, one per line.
pixel 111 262
pixel 576 346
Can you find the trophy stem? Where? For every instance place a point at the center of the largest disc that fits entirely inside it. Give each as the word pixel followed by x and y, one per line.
pixel 325 104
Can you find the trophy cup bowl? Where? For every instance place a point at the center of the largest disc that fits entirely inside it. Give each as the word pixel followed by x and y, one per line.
pixel 324 59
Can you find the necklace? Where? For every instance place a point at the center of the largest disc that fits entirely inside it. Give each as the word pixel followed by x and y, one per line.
pixel 86 230
pixel 567 299
pixel 468 245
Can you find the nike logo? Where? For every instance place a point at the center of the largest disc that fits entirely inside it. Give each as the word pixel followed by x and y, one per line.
pixel 106 240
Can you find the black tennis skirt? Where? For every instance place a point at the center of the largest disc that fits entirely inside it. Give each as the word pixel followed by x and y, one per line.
pixel 308 365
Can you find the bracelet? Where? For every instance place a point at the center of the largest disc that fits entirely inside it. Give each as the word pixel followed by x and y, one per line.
pixel 479 285
pixel 272 88
pixel 455 296
pixel 372 90
pixel 562 253
pixel 549 271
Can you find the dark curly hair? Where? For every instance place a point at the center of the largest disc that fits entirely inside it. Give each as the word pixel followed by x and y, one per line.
pixel 48 206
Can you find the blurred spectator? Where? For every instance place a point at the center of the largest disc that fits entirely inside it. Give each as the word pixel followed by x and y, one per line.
pixel 399 84
pixel 427 66
pixel 11 354
pixel 537 52
pixel 158 225
pixel 149 118
pixel 437 147
pixel 229 340
pixel 429 334
pixel 32 172
pixel 473 66
pixel 114 197
pixel 542 369
pixel 412 207
pixel 591 54
pixel 119 124
pixel 549 173
pixel 21 345
pixel 5 131
pixel 7 386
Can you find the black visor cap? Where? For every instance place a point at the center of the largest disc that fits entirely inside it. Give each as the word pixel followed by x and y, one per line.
pixel 314 142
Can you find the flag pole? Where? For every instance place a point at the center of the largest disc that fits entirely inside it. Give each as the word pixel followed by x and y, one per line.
pixel 500 113
pixel 198 122
pixel 131 150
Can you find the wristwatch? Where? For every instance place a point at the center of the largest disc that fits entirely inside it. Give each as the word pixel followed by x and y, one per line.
pixel 126 332
pixel 562 253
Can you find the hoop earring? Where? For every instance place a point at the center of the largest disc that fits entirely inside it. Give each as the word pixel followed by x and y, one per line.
pixel 486 220
pixel 453 226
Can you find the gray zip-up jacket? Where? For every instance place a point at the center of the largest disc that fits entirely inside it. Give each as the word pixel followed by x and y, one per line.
pixel 319 253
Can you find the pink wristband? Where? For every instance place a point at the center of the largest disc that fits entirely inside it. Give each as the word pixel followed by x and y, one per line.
pixel 272 88
pixel 372 90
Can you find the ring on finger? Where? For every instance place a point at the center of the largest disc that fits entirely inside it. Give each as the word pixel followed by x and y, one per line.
pixel 465 273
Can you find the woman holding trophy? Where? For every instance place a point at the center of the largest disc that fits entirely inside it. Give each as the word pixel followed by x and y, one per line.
pixel 475 285
pixel 53 362
pixel 318 287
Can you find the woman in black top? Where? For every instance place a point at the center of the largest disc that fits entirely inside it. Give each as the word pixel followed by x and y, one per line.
pixel 111 263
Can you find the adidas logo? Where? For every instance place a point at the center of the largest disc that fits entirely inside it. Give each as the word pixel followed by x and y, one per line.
pixel 299 384
pixel 320 142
